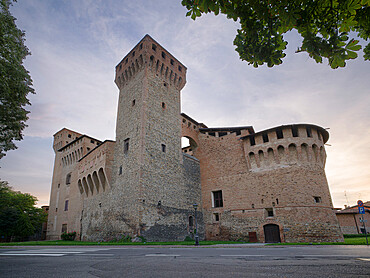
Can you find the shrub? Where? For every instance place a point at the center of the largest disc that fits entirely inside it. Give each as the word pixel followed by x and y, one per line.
pixel 68 236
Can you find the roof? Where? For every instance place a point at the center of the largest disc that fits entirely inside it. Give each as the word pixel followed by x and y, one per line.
pixel 192 120
pixel 215 129
pixel 95 148
pixel 78 138
pixel 324 132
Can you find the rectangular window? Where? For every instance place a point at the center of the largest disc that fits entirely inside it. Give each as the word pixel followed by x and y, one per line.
pixel 64 228
pixel 309 131
pixel 217 199
pixel 68 178
pixel 252 141
pixel 265 137
pixel 317 199
pixel 295 131
pixel 120 170
pixel 279 134
pixel 126 145
pixel 66 205
pixel 216 217
pixel 163 148
pixel 270 212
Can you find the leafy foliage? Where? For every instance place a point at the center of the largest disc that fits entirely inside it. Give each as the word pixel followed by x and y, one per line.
pixel 323 24
pixel 15 81
pixel 19 217
pixel 68 236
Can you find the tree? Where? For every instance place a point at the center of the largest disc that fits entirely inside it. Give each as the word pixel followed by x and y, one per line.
pixel 15 81
pixel 325 25
pixel 19 217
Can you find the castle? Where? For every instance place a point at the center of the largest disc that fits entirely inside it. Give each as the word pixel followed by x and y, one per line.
pixel 266 186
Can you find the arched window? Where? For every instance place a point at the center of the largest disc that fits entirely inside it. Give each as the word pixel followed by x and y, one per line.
pixel 68 178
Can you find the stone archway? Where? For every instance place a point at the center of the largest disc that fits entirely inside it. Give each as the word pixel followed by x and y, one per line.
pixel 272 233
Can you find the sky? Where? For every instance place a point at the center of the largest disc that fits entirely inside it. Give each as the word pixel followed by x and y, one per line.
pixel 76 45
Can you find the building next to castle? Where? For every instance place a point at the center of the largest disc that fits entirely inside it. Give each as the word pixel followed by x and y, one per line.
pixel 266 186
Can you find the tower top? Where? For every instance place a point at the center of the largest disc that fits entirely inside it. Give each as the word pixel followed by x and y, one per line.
pixel 149 53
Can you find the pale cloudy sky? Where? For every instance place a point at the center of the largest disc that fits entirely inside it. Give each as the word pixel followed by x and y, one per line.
pixel 76 45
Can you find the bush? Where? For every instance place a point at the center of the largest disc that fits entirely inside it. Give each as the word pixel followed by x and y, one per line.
pixel 68 236
pixel 188 238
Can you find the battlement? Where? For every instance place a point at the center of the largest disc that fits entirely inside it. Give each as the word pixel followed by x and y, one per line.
pixel 285 146
pixel 150 54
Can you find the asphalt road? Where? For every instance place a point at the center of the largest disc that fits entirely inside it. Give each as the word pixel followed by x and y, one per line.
pixel 137 261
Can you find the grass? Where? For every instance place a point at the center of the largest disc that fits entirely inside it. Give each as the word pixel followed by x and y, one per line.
pixel 64 243
pixel 348 240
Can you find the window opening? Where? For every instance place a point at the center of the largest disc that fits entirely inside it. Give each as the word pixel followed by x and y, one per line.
pixel 141 46
pixel 252 141
pixel 217 199
pixel 191 221
pixel 163 105
pixel 317 199
pixel 265 137
pixel 279 134
pixel 154 47
pixel 277 201
pixel 126 144
pixel 180 68
pixel 309 131
pixel 216 217
pixel 66 205
pixel 133 102
pixel 270 212
pixel 163 55
pixel 68 178
pixel 69 135
pixel 172 62
pixel 133 54
pixel 120 170
pixel 295 131
pixel 163 148
pixel 64 228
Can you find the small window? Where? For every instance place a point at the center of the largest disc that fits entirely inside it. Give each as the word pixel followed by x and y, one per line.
pixel 163 105
pixel 217 199
pixel 68 178
pixel 163 55
pixel 69 135
pixel 279 133
pixel 270 212
pixel 92 141
pixel 133 54
pixel 133 102
pixel 317 199
pixel 277 201
pixel 56 209
pixel 154 47
pixel 64 228
pixel 295 131
pixel 252 206
pixel 120 170
pixel 126 144
pixel 184 121
pixel 216 217
pixel 309 131
pixel 58 185
pixel 88 149
pixel 252 141
pixel 165 84
pixel 126 61
pixel 163 148
pixel 172 62
pixel 66 205
pixel 319 136
pixel 265 137
pixel 180 68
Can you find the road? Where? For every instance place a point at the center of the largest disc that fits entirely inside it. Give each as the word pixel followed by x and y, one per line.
pixel 220 261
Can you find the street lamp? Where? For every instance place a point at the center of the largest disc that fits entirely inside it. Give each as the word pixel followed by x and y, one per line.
pixel 195 206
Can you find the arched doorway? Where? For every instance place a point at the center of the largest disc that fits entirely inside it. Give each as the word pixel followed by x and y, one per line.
pixel 272 233
pixel 188 145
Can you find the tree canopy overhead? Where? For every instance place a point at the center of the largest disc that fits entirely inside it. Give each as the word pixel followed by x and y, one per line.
pixel 15 81
pixel 328 27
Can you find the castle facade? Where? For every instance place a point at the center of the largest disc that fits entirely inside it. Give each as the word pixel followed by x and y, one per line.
pixel 267 186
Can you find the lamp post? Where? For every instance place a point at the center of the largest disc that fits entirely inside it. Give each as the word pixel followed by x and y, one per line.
pixel 195 206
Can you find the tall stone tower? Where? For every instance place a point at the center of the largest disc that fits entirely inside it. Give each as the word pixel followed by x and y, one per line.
pixel 154 185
